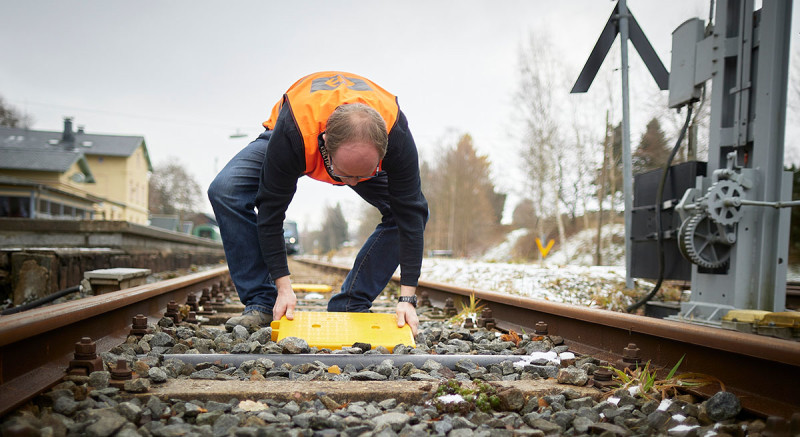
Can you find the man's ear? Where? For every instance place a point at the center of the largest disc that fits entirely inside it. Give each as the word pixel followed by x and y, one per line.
pixel 324 137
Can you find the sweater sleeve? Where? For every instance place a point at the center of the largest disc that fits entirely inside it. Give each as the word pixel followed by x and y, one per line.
pixel 409 206
pixel 283 165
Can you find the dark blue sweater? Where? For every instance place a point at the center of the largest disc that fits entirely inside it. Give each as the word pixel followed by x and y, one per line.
pixel 285 163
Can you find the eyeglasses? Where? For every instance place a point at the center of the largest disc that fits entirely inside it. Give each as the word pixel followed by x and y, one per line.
pixel 338 176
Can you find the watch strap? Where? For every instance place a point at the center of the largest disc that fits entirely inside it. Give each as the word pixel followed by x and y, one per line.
pixel 410 299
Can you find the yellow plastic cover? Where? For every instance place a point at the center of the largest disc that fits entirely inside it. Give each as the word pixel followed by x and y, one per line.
pixel 788 319
pixel 745 316
pixel 312 288
pixel 338 330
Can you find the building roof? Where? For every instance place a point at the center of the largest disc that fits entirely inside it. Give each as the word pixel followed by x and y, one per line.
pixel 41 144
pixel 17 182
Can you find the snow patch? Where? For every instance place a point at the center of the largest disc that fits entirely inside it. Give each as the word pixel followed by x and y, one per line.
pixel 450 399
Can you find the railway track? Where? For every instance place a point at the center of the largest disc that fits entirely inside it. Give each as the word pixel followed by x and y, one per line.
pixel 37 346
pixel 756 368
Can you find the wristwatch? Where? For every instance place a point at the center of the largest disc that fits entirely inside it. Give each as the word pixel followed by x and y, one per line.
pixel 410 299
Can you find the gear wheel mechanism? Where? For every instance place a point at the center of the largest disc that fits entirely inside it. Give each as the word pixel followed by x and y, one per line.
pixel 702 242
pixel 717 194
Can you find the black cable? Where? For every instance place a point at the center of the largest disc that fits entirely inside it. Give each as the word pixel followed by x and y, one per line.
pixel 659 227
pixel 42 301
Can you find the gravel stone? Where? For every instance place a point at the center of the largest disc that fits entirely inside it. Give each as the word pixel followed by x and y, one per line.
pixel 385 368
pixel 573 376
pixel 293 345
pixel 575 404
pixel 174 430
pixel 137 385
pixel 608 428
pixel 542 370
pixel 263 335
pixel 65 405
pixel 563 418
pixel 208 418
pixel 99 379
pixel 240 334
pixel 157 375
pixel 395 421
pixel 223 424
pixel 130 411
pixel 722 406
pixel 107 422
pixel 511 399
pixel 162 339
pixel 204 374
pixel 462 422
pixel 545 426
pixel 368 375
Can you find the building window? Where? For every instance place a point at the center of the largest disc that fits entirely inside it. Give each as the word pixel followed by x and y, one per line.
pixel 43 210
pixel 15 206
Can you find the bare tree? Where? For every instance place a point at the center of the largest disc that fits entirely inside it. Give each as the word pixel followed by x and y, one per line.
pixel 543 150
pixel 172 189
pixel 12 117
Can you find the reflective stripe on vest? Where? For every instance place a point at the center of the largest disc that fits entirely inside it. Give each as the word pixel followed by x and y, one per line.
pixel 313 98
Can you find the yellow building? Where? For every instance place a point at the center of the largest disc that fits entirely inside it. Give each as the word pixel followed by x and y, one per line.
pixel 72 174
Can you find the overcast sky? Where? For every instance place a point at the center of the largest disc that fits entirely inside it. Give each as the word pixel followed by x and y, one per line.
pixel 187 75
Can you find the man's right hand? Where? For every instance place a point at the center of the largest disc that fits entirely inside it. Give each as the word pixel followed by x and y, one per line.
pixel 286 301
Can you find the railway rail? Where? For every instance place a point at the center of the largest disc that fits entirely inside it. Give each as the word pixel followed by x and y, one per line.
pixel 37 346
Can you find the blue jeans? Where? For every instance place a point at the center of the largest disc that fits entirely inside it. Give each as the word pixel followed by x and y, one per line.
pixel 232 195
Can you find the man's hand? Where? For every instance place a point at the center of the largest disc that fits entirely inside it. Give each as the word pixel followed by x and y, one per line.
pixel 286 301
pixel 406 313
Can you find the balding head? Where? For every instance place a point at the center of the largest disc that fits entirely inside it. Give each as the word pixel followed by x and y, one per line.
pixel 356 123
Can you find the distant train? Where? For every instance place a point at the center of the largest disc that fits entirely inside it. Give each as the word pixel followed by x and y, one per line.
pixel 291 237
pixel 207 231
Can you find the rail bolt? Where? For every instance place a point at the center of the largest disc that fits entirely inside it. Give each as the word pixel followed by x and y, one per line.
pixel 205 296
pixel 603 377
pixel 205 303
pixel 449 308
pixel 776 427
pixel 139 325
pixel 425 300
pixel 191 300
pixel 486 320
pixel 86 360
pixel 794 424
pixel 122 372
pixel 468 324
pixel 540 328
pixel 172 311
pixel 631 356
pixel 86 349
pixel 192 318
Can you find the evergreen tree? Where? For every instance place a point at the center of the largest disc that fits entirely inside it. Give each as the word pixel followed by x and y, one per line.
pixel 653 149
pixel 465 208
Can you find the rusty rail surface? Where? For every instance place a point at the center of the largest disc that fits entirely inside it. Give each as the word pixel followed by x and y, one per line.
pixel 36 346
pixel 758 369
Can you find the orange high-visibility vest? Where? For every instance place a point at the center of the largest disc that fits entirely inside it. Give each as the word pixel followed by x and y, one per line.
pixel 313 98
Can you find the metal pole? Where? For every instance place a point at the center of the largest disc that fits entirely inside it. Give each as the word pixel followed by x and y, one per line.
pixel 627 178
